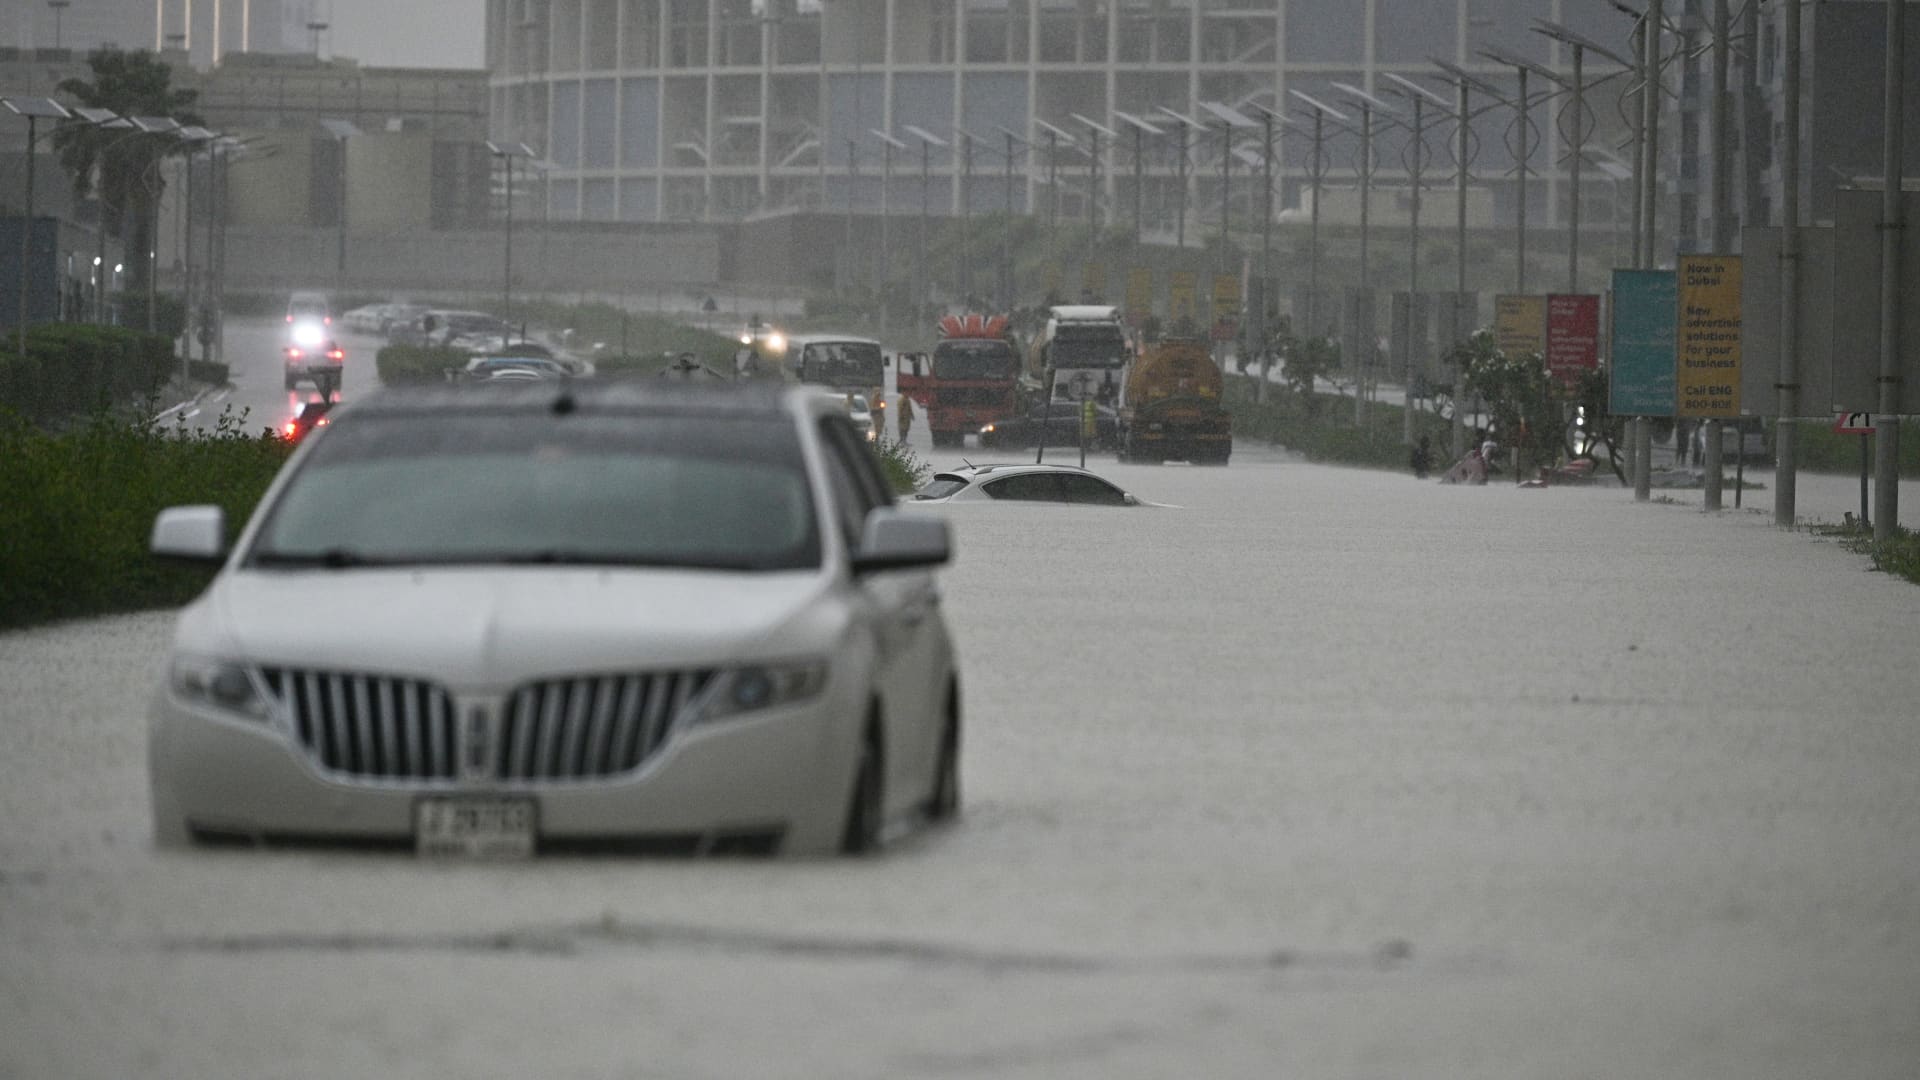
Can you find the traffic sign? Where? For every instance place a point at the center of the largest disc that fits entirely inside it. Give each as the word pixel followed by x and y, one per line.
pixel 1853 423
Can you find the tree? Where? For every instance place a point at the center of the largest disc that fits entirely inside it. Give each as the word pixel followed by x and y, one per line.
pixel 1306 360
pixel 118 165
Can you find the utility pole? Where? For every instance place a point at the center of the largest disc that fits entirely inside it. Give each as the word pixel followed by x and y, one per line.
pixel 1651 26
pixel 1722 115
pixel 1368 106
pixel 1786 435
pixel 1317 174
pixel 1886 485
pixel 1419 97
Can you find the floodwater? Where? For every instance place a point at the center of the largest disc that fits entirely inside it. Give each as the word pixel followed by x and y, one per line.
pixel 1325 773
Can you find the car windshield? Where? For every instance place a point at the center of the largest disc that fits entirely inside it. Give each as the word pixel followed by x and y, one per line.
pixel 979 358
pixel 941 486
pixel 842 363
pixel 1097 345
pixel 719 493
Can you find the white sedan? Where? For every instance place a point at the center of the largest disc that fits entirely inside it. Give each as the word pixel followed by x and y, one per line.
pixel 479 619
pixel 1024 483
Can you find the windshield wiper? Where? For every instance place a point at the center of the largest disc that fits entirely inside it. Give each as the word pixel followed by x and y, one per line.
pixel 561 557
pixel 334 558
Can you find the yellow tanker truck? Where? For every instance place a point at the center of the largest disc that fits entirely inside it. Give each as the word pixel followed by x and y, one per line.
pixel 1173 410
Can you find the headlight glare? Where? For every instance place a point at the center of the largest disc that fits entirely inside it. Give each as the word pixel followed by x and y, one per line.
pixel 219 684
pixel 765 686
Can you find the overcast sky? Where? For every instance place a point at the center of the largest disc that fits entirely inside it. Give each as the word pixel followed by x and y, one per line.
pixel 410 33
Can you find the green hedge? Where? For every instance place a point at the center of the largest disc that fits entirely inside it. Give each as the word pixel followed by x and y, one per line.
pixel 1820 450
pixel 208 371
pixel 644 335
pixel 402 364
pixel 74 368
pixel 76 509
pixel 1326 432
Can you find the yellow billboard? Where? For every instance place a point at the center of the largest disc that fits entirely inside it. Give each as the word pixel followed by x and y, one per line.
pixel 1139 294
pixel 1093 283
pixel 1182 302
pixel 1520 324
pixel 1707 341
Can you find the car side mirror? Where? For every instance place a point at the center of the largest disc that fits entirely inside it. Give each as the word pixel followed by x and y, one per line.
pixel 896 540
pixel 194 533
pixel 1130 499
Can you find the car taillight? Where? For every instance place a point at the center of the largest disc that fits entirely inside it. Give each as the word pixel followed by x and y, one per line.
pixel 289 318
pixel 293 353
pixel 336 354
pixel 292 429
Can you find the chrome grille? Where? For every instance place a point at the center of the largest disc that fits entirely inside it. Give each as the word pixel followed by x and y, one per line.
pixel 593 726
pixel 369 725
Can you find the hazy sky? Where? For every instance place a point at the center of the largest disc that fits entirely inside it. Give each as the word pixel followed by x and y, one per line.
pixel 409 33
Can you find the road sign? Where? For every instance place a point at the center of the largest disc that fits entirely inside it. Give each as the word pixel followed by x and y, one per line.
pixel 1853 423
pixel 1573 335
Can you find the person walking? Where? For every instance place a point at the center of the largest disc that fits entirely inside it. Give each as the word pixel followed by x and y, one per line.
pixel 1422 457
pixel 906 416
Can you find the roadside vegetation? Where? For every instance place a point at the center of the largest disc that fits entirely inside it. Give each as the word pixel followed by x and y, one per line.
pixel 76 508
pixel 78 368
pixel 1898 555
pixel 906 473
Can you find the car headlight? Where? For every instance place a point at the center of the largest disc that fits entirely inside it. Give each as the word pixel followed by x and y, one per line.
pixel 307 334
pixel 764 686
pixel 219 684
pixel 776 343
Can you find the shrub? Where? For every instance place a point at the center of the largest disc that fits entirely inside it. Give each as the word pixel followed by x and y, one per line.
pixel 207 371
pixel 905 471
pixel 76 508
pixel 72 368
pixel 400 364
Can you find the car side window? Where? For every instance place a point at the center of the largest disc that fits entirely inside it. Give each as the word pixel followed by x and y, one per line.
pixel 1025 487
pixel 1092 489
pixel 853 492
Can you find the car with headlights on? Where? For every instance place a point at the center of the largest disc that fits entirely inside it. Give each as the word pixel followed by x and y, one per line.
pixel 1024 483
pixel 319 364
pixel 1057 423
pixel 552 616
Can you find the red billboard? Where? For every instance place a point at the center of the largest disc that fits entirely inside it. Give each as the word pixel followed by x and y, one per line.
pixel 1573 335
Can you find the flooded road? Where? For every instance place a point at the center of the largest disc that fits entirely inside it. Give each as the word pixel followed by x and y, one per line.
pixel 1325 773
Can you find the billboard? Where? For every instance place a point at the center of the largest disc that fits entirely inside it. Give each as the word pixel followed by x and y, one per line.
pixel 1707 337
pixel 1182 301
pixel 1642 372
pixel 1573 335
pixel 1226 306
pixel 1139 294
pixel 1520 324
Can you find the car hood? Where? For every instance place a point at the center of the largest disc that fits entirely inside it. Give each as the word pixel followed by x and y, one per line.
pixel 482 628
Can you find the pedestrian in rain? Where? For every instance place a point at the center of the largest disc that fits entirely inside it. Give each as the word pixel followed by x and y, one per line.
pixel 1422 457
pixel 906 416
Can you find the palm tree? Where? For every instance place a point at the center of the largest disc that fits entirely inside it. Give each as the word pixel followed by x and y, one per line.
pixel 117 166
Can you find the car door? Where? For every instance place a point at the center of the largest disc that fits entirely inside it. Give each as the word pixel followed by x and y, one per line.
pixel 908 634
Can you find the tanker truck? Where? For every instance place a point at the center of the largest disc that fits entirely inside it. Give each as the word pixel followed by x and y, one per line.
pixel 1173 410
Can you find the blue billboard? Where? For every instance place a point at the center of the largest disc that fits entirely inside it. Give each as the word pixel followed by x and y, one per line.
pixel 1645 314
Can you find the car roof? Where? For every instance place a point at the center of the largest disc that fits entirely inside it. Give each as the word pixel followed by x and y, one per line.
pixel 715 398
pixel 971 472
pixel 821 339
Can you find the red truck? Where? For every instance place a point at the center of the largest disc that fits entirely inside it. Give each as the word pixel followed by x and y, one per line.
pixel 971 379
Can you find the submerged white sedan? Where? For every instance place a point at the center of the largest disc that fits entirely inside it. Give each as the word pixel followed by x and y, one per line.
pixel 560 616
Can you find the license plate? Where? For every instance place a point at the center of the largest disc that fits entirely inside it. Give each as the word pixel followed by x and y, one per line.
pixel 474 827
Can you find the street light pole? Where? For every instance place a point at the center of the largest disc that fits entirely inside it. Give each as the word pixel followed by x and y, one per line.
pixel 1886 471
pixel 507 152
pixel 1722 119
pixel 1785 433
pixel 1317 173
pixel 924 273
pixel 888 144
pixel 33 109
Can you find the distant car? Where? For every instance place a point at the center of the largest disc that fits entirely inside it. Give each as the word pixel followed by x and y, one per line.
pixel 859 410
pixel 665 617
pixel 368 319
pixel 320 365
pixel 1738 439
pixel 1062 424
pixel 309 319
pixel 312 414
pixel 531 367
pixel 1024 483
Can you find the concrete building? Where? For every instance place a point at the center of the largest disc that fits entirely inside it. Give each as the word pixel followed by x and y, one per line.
pixel 684 110
pixel 1842 81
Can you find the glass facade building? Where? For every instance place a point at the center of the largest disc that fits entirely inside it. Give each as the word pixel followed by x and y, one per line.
pixel 687 110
